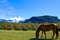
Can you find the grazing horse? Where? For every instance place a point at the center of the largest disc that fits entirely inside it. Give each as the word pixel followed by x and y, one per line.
pixel 47 27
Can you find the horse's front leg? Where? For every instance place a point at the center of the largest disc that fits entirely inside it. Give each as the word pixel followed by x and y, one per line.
pixel 37 35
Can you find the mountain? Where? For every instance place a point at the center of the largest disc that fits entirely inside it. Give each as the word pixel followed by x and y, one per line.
pixel 43 19
pixel 35 19
pixel 10 21
pixel 2 20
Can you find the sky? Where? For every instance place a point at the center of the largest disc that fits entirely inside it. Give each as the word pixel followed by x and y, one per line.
pixel 24 9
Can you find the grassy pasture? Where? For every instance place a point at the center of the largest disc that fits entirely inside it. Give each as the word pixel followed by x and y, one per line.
pixel 22 35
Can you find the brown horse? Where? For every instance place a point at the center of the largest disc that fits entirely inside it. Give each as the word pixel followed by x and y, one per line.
pixel 47 27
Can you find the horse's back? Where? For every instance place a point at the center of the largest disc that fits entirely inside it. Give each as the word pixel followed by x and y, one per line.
pixel 47 27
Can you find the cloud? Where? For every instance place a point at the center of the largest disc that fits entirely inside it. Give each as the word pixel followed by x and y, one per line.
pixel 17 19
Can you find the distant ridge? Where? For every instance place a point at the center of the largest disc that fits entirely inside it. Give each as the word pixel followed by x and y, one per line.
pixel 36 19
pixel 2 20
pixel 43 19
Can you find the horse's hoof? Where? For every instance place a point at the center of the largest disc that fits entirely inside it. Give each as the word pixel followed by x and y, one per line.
pixel 51 38
pixel 36 38
pixel 56 38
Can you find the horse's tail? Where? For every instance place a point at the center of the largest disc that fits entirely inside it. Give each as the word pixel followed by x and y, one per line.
pixel 56 32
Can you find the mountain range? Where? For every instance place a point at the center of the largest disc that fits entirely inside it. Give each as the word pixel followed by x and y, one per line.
pixel 43 19
pixel 37 19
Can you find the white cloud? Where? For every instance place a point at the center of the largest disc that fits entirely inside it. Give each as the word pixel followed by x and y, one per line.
pixel 16 19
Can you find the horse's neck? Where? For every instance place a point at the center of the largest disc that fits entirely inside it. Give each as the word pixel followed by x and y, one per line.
pixel 46 24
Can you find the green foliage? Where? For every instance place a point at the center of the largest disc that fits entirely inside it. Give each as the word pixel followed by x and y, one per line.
pixel 21 26
pixel 18 26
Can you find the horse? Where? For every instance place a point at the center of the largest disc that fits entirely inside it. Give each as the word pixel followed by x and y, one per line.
pixel 47 27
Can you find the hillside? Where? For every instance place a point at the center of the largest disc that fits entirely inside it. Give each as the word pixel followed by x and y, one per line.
pixel 42 19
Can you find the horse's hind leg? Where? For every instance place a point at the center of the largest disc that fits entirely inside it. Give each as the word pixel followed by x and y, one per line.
pixel 41 34
pixel 53 34
pixel 45 34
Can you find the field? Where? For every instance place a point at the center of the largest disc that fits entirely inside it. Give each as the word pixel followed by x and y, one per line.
pixel 22 35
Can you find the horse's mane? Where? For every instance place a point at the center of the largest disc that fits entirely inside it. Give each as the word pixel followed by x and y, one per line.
pixel 48 24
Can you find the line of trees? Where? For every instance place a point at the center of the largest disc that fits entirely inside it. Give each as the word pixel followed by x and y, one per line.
pixel 20 26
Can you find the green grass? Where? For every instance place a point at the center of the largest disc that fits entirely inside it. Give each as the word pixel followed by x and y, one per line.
pixel 21 35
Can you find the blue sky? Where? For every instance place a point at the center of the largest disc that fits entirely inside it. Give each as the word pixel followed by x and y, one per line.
pixel 28 8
